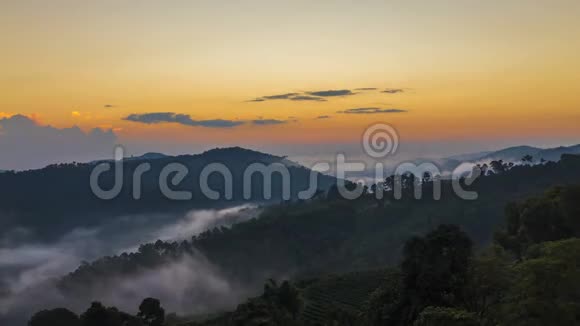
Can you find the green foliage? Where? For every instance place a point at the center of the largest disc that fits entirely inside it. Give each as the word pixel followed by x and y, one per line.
pixel 278 305
pixel 440 316
pixel 546 288
pixel 439 281
pixel 435 267
pixel 55 317
pixel 338 296
pixel 488 281
pixel 383 303
pixel 335 236
pixel 552 217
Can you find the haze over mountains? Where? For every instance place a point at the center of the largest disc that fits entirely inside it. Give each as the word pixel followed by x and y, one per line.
pixel 224 255
pixel 218 267
pixel 62 190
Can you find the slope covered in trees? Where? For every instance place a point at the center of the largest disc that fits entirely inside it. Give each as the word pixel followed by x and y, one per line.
pixel 528 275
pixel 442 281
pixel 63 199
pixel 330 234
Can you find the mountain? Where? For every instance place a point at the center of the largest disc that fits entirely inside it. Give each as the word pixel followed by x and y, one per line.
pixel 511 154
pixel 58 198
pixel 148 156
pixel 554 154
pixel 469 156
pixel 302 239
pixel 516 153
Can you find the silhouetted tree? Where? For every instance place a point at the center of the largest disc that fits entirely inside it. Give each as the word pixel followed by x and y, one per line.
pixel 151 312
pixel 55 317
pixel 99 315
pixel 435 267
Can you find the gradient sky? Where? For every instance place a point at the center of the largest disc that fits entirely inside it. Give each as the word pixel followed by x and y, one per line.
pixel 487 71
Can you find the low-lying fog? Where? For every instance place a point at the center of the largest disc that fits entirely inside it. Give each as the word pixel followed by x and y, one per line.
pixel 192 285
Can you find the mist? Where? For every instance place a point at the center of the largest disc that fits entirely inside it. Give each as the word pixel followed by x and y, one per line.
pixel 28 270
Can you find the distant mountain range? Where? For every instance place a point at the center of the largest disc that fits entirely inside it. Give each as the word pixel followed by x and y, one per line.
pixel 515 154
pixel 510 154
pixel 47 199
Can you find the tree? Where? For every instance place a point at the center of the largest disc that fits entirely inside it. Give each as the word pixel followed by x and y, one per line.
pixel 55 317
pixel 546 287
pixel 151 312
pixel 435 267
pixel 528 158
pixel 99 315
pixel 551 217
pixel 383 304
pixel 488 281
pixel 497 167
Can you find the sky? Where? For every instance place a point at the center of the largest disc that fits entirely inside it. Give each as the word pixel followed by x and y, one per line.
pixel 181 76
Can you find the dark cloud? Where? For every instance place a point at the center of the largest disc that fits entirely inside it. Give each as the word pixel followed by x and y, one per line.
pixel 268 122
pixel 329 93
pixel 109 106
pixel 184 119
pixel 366 89
pixel 288 96
pixel 25 144
pixel 307 98
pixel 371 111
pixel 393 90
pixel 317 96
pixel 280 96
pixel 323 117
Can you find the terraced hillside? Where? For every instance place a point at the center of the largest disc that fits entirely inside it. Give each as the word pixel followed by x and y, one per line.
pixel 348 292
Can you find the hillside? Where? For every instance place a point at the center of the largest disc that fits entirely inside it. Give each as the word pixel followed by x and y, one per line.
pixel 306 239
pixel 63 199
pixel 528 276
pixel 516 153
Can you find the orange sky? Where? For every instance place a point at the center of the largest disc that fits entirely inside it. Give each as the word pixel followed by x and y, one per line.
pixel 469 70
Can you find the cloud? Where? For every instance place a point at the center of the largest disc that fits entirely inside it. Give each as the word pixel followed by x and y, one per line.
pixel 108 106
pixel 316 96
pixel 288 96
pixel 184 119
pixel 267 122
pixel 366 89
pixel 189 285
pixel 285 96
pixel 393 90
pixel 307 98
pixel 329 93
pixel 323 117
pixel 371 111
pixel 279 96
pixel 26 144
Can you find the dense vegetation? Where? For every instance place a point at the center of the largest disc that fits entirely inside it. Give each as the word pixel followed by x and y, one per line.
pixel 529 275
pixel 467 271
pixel 331 235
pixel 50 202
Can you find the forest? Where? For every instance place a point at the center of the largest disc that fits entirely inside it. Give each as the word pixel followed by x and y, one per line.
pixel 510 257
pixel 528 275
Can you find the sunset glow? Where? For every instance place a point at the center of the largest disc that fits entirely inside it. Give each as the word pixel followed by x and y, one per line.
pixel 491 69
